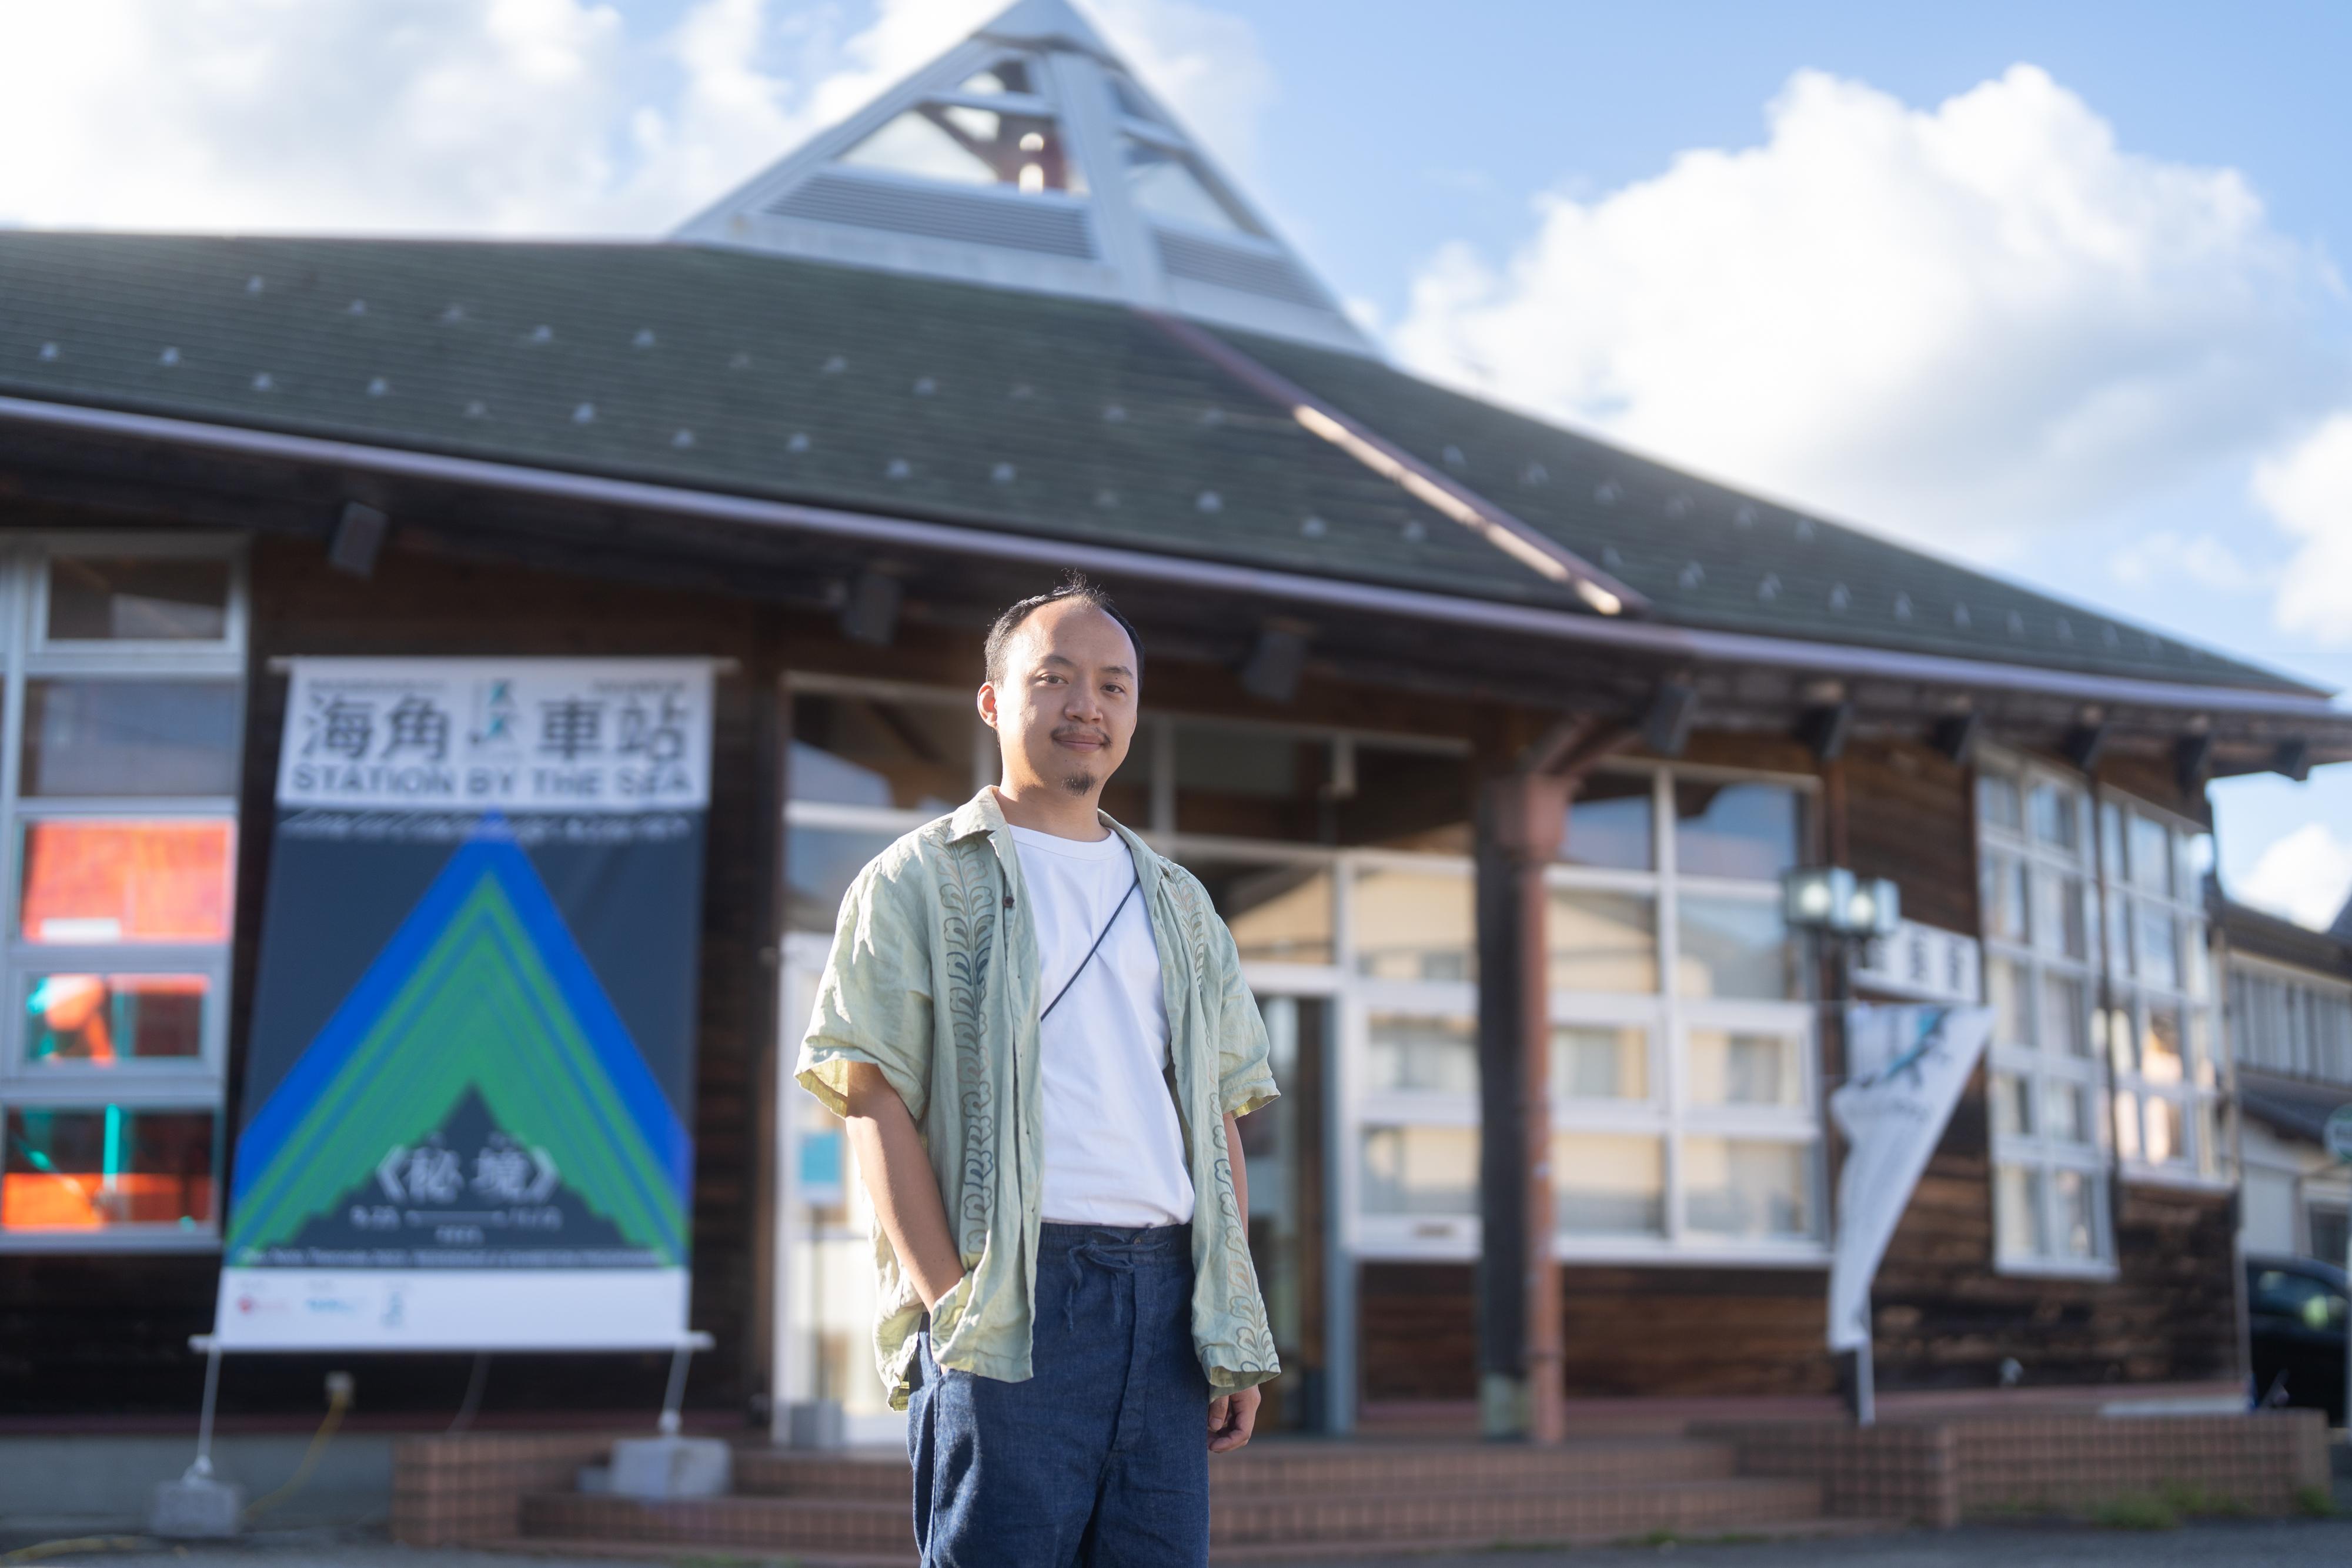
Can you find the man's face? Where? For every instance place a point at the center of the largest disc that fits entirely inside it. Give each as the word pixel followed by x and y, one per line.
pixel 1065 709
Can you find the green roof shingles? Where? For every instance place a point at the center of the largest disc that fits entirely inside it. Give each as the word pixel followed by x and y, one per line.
pixel 1707 555
pixel 814 383
pixel 870 390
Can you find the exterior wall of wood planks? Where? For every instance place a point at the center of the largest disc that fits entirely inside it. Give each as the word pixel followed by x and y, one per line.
pixel 108 1333
pixel 1947 1318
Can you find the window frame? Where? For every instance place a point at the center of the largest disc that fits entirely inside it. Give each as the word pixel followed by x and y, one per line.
pixel 27 655
pixel 224 657
pixel 1354 995
pixel 1669 1017
pixel 2294 999
pixel 2043 1062
pixel 2200 1093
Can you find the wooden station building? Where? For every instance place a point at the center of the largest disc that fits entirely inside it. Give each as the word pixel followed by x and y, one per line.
pixel 1491 739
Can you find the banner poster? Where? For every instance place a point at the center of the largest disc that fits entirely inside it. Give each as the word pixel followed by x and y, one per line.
pixel 1907 1066
pixel 470 1073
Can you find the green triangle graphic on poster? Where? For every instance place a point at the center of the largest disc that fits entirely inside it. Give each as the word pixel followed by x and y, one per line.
pixel 467 999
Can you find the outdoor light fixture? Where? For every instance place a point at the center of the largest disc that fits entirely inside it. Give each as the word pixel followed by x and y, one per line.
pixel 1874 909
pixel 1813 897
pixel 1832 899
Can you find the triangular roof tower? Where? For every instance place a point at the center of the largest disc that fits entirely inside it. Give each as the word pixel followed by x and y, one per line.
pixel 1029 156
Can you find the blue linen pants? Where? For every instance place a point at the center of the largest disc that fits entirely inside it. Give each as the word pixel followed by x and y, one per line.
pixel 1101 1458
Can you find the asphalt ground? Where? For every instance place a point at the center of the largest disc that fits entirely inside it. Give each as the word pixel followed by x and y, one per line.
pixel 2270 1543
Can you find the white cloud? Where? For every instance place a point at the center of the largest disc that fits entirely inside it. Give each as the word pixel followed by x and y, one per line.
pixel 2305 876
pixel 2199 558
pixel 1964 324
pixel 486 116
pixel 2308 489
pixel 237 114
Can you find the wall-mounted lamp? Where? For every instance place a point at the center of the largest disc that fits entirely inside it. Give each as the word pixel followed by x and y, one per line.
pixel 1832 899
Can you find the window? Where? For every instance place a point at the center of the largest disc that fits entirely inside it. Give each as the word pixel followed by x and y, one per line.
pixel 1684 1095
pixel 1167 183
pixel 1128 100
pixel 994 129
pixel 1337 860
pixel 2048 1102
pixel 2303 1300
pixel 2330 1231
pixel 973 146
pixel 2290 1021
pixel 123 698
pixel 2159 1026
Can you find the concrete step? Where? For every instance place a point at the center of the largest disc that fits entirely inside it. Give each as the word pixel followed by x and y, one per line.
pixel 686 1554
pixel 1478 1518
pixel 1290 1468
pixel 786 1473
pixel 794 1524
pixel 1285 1470
pixel 1445 1513
pixel 1816 1529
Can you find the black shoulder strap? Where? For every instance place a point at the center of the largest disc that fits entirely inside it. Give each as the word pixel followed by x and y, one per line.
pixel 1093 950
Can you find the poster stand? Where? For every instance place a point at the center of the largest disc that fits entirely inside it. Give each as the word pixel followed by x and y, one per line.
pixel 469 1065
pixel 199 1475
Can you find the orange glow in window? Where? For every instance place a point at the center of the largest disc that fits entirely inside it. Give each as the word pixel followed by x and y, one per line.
pixel 38 1201
pixel 110 880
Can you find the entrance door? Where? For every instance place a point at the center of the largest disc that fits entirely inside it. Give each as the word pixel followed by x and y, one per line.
pixel 824 1353
pixel 823 1356
pixel 1288 1149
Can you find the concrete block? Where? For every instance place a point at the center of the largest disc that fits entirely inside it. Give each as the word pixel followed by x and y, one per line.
pixel 815 1423
pixel 196 1508
pixel 672 1466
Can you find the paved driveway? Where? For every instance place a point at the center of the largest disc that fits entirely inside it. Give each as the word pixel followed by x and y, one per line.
pixel 2316 1543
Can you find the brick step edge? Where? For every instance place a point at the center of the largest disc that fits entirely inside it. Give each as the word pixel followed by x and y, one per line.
pixel 693 1553
pixel 761 1504
pixel 1598 1513
pixel 1499 1472
pixel 1818 1529
pixel 1273 1490
pixel 696 1554
pixel 854 1525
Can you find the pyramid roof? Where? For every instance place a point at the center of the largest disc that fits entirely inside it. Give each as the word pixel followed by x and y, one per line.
pixel 1029 156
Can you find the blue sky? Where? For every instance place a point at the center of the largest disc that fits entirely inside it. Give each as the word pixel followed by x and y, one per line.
pixel 1387 130
pixel 2051 287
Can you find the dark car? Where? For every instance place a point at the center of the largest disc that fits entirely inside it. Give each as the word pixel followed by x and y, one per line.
pixel 2295 1308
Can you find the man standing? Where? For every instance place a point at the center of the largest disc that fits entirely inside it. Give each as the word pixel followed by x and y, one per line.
pixel 1037 1032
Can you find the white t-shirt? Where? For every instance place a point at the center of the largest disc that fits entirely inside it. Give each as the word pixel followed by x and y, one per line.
pixel 1114 1154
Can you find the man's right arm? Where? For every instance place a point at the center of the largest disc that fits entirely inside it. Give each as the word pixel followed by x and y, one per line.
pixel 899 1179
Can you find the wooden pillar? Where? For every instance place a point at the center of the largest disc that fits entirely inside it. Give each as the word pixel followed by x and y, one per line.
pixel 1519 1353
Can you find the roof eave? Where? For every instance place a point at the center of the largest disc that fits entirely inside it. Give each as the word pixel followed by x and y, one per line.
pixel 1684 645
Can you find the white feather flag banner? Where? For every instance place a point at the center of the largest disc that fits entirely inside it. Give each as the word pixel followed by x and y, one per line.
pixel 1908 1066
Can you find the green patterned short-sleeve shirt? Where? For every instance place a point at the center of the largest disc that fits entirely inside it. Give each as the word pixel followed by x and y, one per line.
pixel 933 979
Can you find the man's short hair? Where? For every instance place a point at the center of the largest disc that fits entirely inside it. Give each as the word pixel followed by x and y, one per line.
pixel 1074 586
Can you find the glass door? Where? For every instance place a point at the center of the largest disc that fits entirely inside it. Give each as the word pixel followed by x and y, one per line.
pixel 826 1389
pixel 1288 1149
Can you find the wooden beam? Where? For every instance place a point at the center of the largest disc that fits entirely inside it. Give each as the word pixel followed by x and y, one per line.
pixel 1826 730
pixel 1666 726
pixel 1600 742
pixel 2084 743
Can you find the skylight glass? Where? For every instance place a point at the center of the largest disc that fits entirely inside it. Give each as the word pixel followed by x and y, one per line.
pixel 1165 184
pixel 1008 75
pixel 972 147
pixel 1130 102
